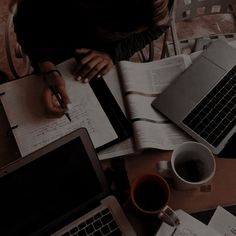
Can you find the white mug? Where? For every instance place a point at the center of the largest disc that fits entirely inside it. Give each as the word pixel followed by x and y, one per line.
pixel 192 165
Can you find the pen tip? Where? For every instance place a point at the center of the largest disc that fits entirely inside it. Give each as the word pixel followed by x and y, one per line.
pixel 67 115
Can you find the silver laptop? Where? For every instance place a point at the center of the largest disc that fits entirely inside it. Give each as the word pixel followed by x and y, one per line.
pixel 60 190
pixel 202 101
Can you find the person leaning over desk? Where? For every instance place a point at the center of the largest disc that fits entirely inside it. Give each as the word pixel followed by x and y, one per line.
pixel 100 32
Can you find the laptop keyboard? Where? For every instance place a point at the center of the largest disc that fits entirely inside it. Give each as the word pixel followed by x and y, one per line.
pixel 102 223
pixel 215 115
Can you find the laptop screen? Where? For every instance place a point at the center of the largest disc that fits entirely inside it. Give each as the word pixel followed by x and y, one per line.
pixel 46 189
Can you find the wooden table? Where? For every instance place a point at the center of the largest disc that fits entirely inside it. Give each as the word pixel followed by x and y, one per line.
pixel 223 188
pixel 223 184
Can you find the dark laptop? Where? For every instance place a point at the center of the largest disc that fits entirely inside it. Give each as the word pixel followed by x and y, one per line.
pixel 59 190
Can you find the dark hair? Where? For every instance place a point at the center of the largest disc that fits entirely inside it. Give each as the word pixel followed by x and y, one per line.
pixel 12 3
pixel 126 15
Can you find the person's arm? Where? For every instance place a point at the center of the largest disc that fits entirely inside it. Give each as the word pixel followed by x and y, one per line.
pixel 124 49
pixel 31 32
pixel 94 63
pixel 34 30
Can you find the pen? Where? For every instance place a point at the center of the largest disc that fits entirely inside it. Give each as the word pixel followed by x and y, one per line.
pixel 54 89
pixel 173 233
pixel 59 99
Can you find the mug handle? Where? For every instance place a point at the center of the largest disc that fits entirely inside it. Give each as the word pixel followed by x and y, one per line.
pixel 169 216
pixel 164 169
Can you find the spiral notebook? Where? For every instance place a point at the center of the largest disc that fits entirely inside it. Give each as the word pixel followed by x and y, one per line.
pixel 93 107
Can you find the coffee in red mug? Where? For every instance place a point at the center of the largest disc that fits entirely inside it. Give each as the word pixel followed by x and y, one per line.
pixel 150 194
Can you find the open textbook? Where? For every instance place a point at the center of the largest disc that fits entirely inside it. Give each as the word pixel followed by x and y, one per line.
pixel 222 223
pixel 135 86
pixel 21 100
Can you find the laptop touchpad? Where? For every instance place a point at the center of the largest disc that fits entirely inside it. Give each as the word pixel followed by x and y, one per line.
pixel 204 75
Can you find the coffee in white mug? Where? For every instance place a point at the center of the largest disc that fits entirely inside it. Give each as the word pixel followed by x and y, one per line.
pixel 192 164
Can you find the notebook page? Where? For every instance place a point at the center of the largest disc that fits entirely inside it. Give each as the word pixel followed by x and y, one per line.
pixel 23 105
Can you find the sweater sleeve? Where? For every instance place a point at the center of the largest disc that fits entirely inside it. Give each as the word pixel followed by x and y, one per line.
pixel 125 48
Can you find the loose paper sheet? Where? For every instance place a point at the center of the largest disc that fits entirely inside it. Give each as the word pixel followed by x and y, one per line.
pixel 189 226
pixel 223 222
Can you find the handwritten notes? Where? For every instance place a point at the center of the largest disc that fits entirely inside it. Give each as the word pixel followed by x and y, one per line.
pixel 23 106
pixel 189 226
pixel 223 222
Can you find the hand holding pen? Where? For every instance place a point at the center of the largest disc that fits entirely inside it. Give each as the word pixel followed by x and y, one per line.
pixel 55 96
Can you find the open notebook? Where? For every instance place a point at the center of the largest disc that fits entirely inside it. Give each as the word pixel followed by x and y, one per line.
pixel 22 103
